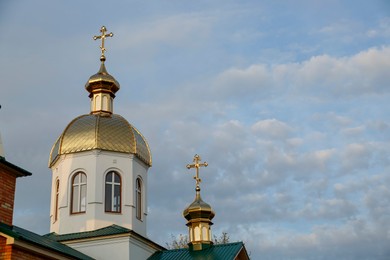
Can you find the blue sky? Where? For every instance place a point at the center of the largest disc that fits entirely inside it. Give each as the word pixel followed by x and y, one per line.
pixel 286 100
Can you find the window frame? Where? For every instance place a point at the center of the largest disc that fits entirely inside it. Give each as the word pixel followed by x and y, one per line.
pixel 80 185
pixel 56 200
pixel 111 197
pixel 139 199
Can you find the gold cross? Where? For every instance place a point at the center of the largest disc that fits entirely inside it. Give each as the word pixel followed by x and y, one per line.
pixel 103 30
pixel 197 165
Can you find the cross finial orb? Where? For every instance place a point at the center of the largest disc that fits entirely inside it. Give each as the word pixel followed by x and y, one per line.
pixel 103 36
pixel 197 164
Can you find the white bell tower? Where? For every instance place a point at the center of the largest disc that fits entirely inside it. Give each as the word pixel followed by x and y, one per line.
pixel 99 165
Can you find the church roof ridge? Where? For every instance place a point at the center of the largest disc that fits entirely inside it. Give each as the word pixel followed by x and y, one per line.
pixel 19 233
pixel 105 231
pixel 216 252
pixel 101 232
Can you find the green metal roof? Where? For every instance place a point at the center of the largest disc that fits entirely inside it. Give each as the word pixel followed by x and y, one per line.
pixel 106 231
pixel 215 252
pixel 42 241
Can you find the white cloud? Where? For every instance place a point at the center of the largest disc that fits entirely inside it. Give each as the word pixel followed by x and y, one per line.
pixel 242 83
pixel 271 128
pixel 299 166
pixel 355 239
pixel 360 74
pixel 353 132
pixel 382 30
pixel 354 157
pixel 377 200
pixel 328 209
pixel 174 30
pixel 321 76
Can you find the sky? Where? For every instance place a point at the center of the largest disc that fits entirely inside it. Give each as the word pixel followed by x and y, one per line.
pixel 287 101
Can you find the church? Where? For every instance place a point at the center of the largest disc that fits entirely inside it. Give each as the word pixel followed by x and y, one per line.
pixel 99 190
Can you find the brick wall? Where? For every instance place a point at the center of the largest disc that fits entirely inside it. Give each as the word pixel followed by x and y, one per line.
pixel 7 196
pixel 9 252
pixel 20 254
pixel 5 251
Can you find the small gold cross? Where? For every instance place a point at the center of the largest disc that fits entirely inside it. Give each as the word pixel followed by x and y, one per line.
pixel 103 30
pixel 197 165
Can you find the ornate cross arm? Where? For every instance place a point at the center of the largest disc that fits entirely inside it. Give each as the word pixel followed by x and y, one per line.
pixel 197 164
pixel 103 36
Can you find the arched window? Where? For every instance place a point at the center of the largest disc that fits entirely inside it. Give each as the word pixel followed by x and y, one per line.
pixel 105 103
pixel 97 102
pixel 56 200
pixel 138 198
pixel 79 193
pixel 113 192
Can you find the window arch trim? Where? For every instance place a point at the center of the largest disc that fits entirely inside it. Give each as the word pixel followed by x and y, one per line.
pixel 78 196
pixel 56 199
pixel 113 192
pixel 139 198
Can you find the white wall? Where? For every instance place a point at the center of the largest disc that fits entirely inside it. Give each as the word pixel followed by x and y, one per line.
pixel 119 248
pixel 95 164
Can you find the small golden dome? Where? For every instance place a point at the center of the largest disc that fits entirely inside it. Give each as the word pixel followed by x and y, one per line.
pixel 102 81
pixel 198 209
pixel 101 132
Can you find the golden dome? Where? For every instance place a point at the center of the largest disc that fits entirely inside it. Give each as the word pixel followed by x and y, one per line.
pixel 102 81
pixel 101 132
pixel 198 209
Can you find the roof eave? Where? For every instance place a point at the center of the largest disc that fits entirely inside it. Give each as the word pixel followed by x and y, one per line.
pixel 16 170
